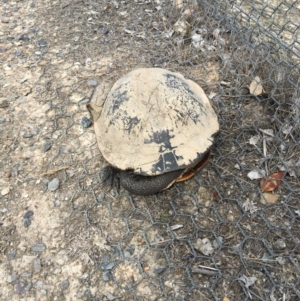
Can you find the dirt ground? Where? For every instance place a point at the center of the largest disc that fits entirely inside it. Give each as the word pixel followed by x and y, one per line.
pixel 66 236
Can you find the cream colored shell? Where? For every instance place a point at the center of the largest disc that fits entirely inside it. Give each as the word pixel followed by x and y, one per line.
pixel 153 121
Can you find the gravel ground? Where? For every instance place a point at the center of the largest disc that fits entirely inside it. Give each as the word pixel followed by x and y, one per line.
pixel 219 236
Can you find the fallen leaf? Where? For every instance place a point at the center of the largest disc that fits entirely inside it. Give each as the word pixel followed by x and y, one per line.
pixel 270 198
pixel 290 167
pixel 249 206
pixel 272 181
pixel 182 27
pixel 216 195
pixel 256 174
pixel 225 299
pixel 268 132
pixel 256 87
pixel 212 95
pixel 272 297
pixel 286 129
pixel 204 246
pixel 248 281
pixel 254 140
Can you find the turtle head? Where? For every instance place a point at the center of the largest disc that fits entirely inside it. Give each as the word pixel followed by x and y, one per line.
pixel 98 98
pixel 94 110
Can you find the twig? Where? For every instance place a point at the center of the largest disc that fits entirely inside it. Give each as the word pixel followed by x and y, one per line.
pixel 51 171
pixel 204 272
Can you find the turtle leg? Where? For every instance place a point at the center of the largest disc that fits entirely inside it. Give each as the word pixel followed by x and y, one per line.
pixel 148 185
pixel 191 172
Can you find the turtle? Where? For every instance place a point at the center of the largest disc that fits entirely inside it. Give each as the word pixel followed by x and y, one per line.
pixel 154 127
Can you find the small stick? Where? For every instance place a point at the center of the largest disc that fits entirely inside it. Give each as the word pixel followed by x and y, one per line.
pixel 204 272
pixel 265 154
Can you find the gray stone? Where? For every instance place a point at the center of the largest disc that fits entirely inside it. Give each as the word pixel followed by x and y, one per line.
pixel 158 270
pixel 12 278
pixel 5 20
pixel 46 147
pixel 38 248
pixel 26 275
pixel 22 286
pixel 53 184
pixel 37 265
pixel 24 38
pixel 26 222
pixel 92 82
pixel 3 103
pixel 86 122
pixel 108 265
pixel 28 214
pixel 42 43
pixel 280 244
pixel 105 30
pixel 18 53
pixel 106 276
pixel 64 285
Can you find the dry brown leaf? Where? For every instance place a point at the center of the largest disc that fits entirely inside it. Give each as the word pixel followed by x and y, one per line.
pixel 256 87
pixel 225 299
pixel 270 198
pixel 216 195
pixel 272 181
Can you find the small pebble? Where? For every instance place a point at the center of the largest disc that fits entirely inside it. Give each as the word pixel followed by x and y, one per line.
pixel 11 278
pixel 37 265
pixel 5 20
pixel 101 197
pixel 21 286
pixel 26 222
pixel 26 134
pixel 46 147
pixel 5 191
pixel 24 38
pixel 64 285
pixel 86 122
pixel 108 265
pixel 56 204
pixel 3 103
pixel 2 119
pixel 18 52
pixel 127 254
pixel 158 270
pixel 92 82
pixel 53 184
pixel 279 244
pixel 38 248
pixel 13 254
pixel 26 274
pixel 32 4
pixel 106 276
pixel 105 30
pixel 42 43
pixel 28 214
pixel 7 174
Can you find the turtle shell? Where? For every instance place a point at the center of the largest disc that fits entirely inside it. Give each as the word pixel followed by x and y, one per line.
pixel 154 121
